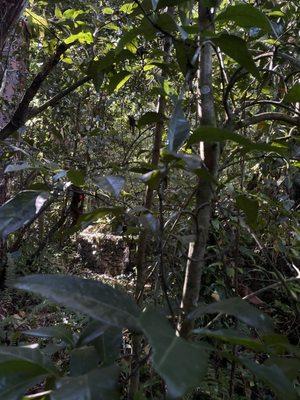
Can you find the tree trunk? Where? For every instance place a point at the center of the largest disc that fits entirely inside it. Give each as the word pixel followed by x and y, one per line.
pixel 10 11
pixel 14 48
pixel 209 153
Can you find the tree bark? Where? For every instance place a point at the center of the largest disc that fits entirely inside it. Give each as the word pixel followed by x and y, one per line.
pixel 209 153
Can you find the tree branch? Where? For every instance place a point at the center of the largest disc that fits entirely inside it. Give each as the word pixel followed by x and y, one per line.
pixel 268 116
pixel 55 99
pixel 21 113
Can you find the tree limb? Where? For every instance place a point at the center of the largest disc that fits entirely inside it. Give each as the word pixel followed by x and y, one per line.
pixel 55 99
pixel 268 116
pixel 21 113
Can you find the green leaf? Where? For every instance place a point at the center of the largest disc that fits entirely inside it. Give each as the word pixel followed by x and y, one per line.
pixel 250 208
pixel 92 331
pixel 99 301
pixel 152 178
pixel 99 384
pixel 59 332
pixel 246 16
pixel 81 37
pixel 179 129
pixel 118 80
pixel 83 360
pixel 293 95
pixel 238 308
pixel 213 134
pixel 127 38
pixel 274 377
pixel 180 363
pixel 95 71
pixel 109 345
pixel 150 117
pixel 166 22
pixel 34 356
pixel 20 210
pixel 231 336
pixel 236 48
pixel 111 184
pixel 289 366
pixel 17 376
pixel 100 213
pixel 76 176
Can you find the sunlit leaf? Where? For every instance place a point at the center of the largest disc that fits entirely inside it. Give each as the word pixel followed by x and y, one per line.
pixel 20 210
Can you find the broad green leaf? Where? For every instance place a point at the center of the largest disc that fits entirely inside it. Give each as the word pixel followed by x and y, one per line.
pixel 179 129
pixel 246 16
pixel 213 134
pixel 274 377
pixel 293 95
pixel 126 38
pixel 231 336
pixel 166 22
pixel 236 48
pixel 289 366
pixel 109 345
pixel 83 360
pixel 95 71
pixel 118 80
pixel 76 176
pixel 17 376
pixel 250 208
pixel 107 10
pixel 180 363
pixel 71 13
pixel 238 308
pixel 20 210
pixel 92 331
pixel 59 332
pixel 99 301
pixel 111 184
pixel 34 356
pixel 100 384
pixel 81 37
pixel 150 117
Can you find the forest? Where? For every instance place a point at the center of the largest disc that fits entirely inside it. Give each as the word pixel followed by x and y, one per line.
pixel 149 199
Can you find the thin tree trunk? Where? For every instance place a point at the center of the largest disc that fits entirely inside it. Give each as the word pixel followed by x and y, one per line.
pixel 209 152
pixel 14 48
pixel 10 11
pixel 144 239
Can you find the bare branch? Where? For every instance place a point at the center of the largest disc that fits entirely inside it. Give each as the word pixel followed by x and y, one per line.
pixel 21 113
pixel 52 102
pixel 268 116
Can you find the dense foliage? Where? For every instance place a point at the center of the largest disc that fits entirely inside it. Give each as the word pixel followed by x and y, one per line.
pixel 172 125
